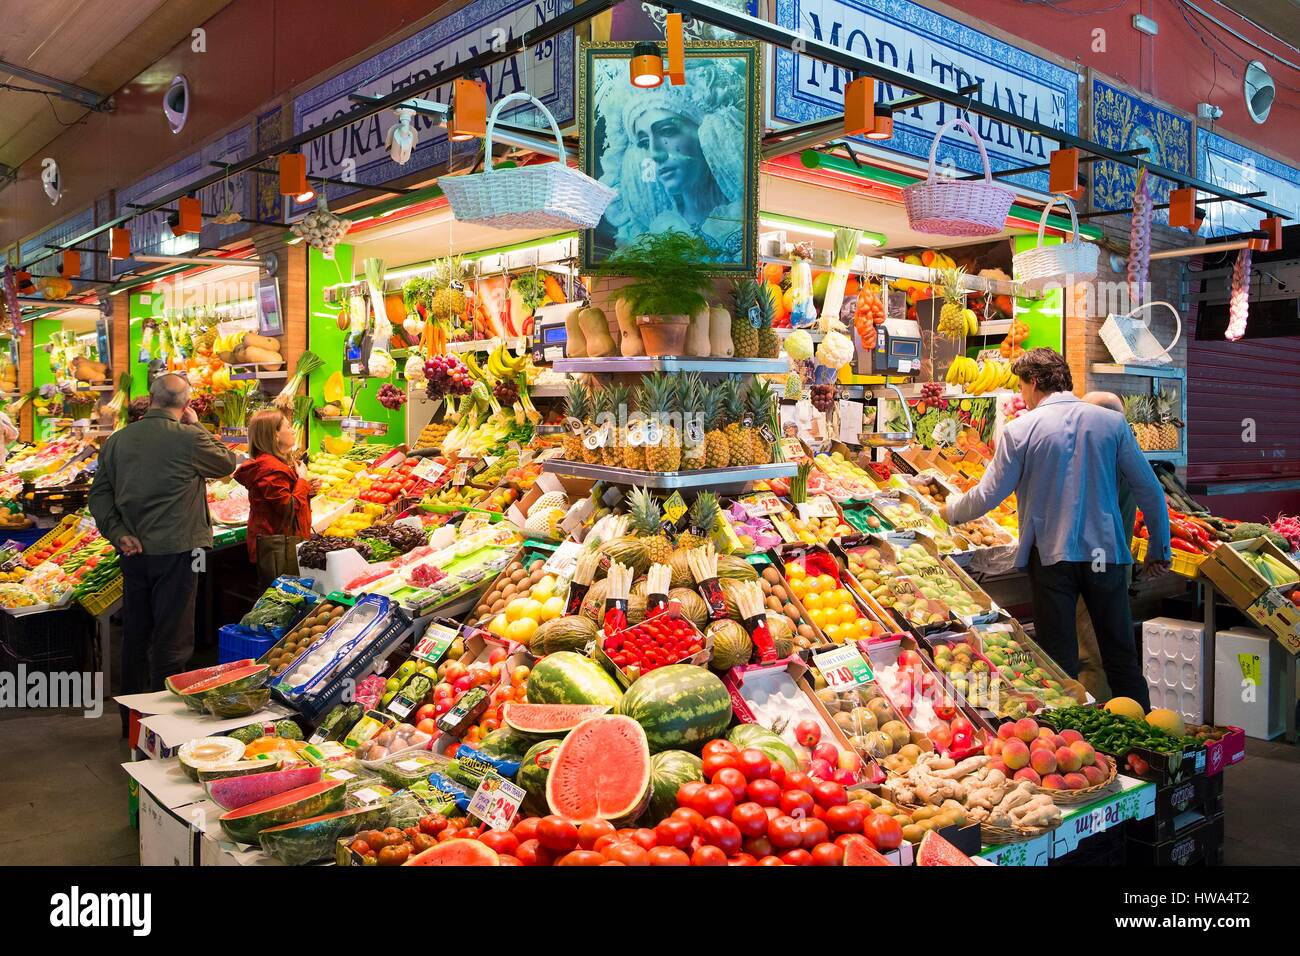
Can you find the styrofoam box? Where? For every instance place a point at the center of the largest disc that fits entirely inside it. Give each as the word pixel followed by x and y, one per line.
pixel 1171 660
pixel 1259 711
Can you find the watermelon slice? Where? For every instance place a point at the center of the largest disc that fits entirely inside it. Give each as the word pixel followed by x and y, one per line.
pixel 306 841
pixel 244 824
pixel 860 852
pixel 178 682
pixel 456 853
pixel 936 851
pixel 601 771
pixel 549 720
pixel 233 681
pixel 265 764
pixel 231 793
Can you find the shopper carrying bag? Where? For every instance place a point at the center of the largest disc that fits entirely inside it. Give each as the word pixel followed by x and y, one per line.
pixel 279 498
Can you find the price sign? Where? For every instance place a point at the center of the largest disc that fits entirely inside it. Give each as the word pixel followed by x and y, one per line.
pixel 437 638
pixel 1250 669
pixel 496 801
pixel 792 450
pixel 763 503
pixel 564 560
pixel 472 523
pixel 675 507
pixel 843 668
pixel 429 469
pixel 818 506
pixel 460 474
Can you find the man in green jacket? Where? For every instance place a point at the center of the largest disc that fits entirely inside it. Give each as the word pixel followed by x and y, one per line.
pixel 150 500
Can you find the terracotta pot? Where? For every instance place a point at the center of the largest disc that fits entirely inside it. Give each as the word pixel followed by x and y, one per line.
pixel 663 334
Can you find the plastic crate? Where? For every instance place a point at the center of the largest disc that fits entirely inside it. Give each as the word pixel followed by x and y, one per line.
pixel 236 643
pixel 49 536
pixel 1183 563
pixel 99 602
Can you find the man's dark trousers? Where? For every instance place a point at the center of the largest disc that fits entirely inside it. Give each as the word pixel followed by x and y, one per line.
pixel 157 618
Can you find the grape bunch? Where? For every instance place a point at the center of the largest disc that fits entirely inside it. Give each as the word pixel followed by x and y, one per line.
pixel 390 396
pixel 823 397
pixel 446 375
pixel 506 392
pixel 202 404
pixel 931 392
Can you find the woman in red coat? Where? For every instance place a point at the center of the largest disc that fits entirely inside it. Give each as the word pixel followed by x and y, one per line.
pixel 279 498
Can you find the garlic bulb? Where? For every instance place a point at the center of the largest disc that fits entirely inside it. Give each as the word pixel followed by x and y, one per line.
pixel 321 228
pixel 1139 241
pixel 1239 300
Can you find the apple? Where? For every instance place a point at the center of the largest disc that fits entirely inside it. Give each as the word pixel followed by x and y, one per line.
pixel 808 732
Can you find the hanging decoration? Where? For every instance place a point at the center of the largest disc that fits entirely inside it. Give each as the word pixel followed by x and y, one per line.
pixel 321 228
pixel 1139 241
pixel 1239 300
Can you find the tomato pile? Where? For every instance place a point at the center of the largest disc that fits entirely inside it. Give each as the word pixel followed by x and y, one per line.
pixel 388 488
pixel 655 642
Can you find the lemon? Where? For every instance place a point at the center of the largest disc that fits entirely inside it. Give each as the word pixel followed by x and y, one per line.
pixel 522 630
pixel 553 608
pixel 499 625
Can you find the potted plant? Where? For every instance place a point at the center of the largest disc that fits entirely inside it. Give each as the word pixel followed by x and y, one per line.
pixel 669 285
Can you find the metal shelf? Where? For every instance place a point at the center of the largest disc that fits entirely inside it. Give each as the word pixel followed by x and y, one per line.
pixel 673 363
pixel 995 327
pixel 704 478
pixel 1147 371
pixel 891 268
pixel 548 391
pixel 489 345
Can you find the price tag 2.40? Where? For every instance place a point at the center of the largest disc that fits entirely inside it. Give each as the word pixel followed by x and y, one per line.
pixel 843 668
pixel 496 801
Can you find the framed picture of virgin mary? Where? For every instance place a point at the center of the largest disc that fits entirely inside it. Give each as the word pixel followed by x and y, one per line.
pixel 682 158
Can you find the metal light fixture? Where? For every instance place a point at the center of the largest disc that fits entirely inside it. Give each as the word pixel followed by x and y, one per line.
pixel 189 214
pixel 176 103
pixel 860 106
pixel 1260 91
pixel 469 110
pixel 676 49
pixel 293 178
pixel 1182 207
pixel 119 243
pixel 71 262
pixel 647 66
pixel 883 127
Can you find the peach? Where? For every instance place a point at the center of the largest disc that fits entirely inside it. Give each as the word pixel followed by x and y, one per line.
pixel 1075 781
pixel 1068 760
pixel 1071 736
pixel 1028 773
pixel 1015 754
pixel 999 766
pixel 1087 756
pixel 1026 729
pixel 994 747
pixel 1007 730
pixel 1043 761
pixel 1047 733
pixel 1053 781
pixel 1060 741
pixel 1042 743
pixel 1095 774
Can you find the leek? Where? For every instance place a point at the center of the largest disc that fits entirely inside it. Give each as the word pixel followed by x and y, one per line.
pixel 308 362
pixel 232 410
pixel 117 405
pixel 846 250
pixel 383 332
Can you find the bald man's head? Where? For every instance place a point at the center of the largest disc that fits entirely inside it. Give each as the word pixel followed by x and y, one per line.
pixel 170 391
pixel 1105 400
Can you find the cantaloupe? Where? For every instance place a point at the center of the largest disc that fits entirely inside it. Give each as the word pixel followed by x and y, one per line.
pixel 1126 706
pixel 336 445
pixel 1168 721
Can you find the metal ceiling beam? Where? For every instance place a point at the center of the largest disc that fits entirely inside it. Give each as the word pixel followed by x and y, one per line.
pixel 579 13
pixel 394 190
pixel 1101 214
pixel 1044 167
pixel 761 30
pixel 60 88
pixel 507 133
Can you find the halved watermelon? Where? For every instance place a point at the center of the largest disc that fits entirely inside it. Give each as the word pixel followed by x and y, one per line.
pixel 456 853
pixel 549 720
pixel 178 682
pixel 241 768
pixel 601 771
pixel 936 851
pixel 244 824
pixel 859 852
pixel 306 841
pixel 232 681
pixel 231 793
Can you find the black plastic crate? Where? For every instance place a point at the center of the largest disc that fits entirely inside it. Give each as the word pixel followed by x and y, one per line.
pixel 1104 849
pixel 1179 807
pixel 1199 845
pixel 60 640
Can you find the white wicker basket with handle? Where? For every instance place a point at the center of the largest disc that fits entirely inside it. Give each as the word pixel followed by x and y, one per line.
pixel 1129 339
pixel 544 196
pixel 955 207
pixel 1073 261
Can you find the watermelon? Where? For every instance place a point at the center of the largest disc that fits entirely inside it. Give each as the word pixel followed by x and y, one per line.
pixel 239 704
pixel 241 768
pixel 228 682
pixel 231 793
pixel 563 634
pixel 670 769
pixel 760 738
pixel 456 853
pixel 506 742
pixel 858 851
pixel 569 678
pixel 207 753
pixel 178 682
pixel 936 851
pixel 244 824
pixel 534 768
pixel 549 720
pixel 680 706
pixel 306 841
pixel 732 645
pixel 601 771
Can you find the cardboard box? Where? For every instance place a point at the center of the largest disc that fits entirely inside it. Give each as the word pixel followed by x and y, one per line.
pixel 1227 750
pixel 1239 581
pixel 1274 611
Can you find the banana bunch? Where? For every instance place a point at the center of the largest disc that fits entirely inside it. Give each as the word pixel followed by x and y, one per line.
pixel 993 375
pixel 502 365
pixel 962 371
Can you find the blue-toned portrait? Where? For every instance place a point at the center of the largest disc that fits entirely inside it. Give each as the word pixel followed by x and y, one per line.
pixel 682 158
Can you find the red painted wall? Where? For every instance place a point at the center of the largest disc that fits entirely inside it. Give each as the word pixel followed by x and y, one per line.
pixel 1174 66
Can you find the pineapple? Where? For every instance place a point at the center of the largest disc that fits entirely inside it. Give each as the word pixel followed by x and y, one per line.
pixel 744 337
pixel 1138 411
pixel 758 402
pixel 690 393
pixel 615 398
pixel 647 525
pixel 952 323
pixel 769 344
pixel 446 302
pixel 1167 428
pixel 660 395
pixel 734 409
pixel 579 407
pixel 717 453
pixel 703 519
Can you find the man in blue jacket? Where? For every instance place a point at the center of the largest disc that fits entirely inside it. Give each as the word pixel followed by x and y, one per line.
pixel 1063 459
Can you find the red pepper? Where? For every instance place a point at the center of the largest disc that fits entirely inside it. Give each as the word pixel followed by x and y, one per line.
pixel 1182 545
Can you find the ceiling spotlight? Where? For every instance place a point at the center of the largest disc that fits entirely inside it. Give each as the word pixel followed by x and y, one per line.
pixel 883 128
pixel 647 67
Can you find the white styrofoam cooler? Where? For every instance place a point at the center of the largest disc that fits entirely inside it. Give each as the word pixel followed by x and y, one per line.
pixel 1259 711
pixel 1171 661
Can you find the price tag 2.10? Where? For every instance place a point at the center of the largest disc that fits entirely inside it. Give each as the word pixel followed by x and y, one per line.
pixel 843 668
pixel 496 801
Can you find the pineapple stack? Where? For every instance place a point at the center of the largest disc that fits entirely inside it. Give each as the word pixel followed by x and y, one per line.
pixel 577 406
pixel 647 526
pixel 744 337
pixel 1142 414
pixel 1167 423
pixel 448 301
pixel 955 320
pixel 659 402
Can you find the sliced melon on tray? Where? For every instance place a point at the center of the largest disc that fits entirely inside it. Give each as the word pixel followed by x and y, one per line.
pixel 601 771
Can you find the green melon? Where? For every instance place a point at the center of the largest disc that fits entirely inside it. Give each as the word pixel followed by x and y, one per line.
pixel 760 738
pixel 243 825
pixel 736 569
pixel 681 707
pixel 732 645
pixel 693 606
pixel 533 771
pixel 668 771
pixel 563 634
pixel 569 678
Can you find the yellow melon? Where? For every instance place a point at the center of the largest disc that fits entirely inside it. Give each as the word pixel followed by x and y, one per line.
pixel 332 391
pixel 1168 721
pixel 1126 706
pixel 337 446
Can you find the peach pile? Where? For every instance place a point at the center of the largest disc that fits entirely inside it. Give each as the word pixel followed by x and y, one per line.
pixel 1025 751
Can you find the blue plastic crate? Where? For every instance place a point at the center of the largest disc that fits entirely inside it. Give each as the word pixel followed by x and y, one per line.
pixel 236 642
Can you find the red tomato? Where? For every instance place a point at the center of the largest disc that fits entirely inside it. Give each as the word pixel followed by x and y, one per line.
pixel 627 853
pixel 674 833
pixel 715 800
pixel 742 859
pixel 759 846
pixel 796 858
pixel 708 856
pixel 722 833
pixel 505 859
pixel 784 833
pixel 434 823
pixel 754 764
pixel 814 832
pixel 884 831
pixel 424 712
pixel 797 803
pixel 827 854
pixel 751 818
pixel 687 792
pixel 608 839
pixel 719 746
pixel 581 858
pixel 668 856
pixel 771 861
pixel 798 780
pixel 645 838
pixel 766 793
pixel 845 819
pixel 591 831
pixel 558 834
pixel 777 772
pixel 717 761
pixel 502 841
pixel 689 815
pixel 828 794
pixel 532 853
pixel 733 780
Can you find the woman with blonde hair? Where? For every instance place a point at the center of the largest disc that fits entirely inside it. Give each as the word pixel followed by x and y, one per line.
pixel 279 498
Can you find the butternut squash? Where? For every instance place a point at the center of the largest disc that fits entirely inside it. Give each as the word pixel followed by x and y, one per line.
pixel 266 358
pixel 697 335
pixel 720 333
pixel 629 342
pixel 261 342
pixel 576 343
pixel 595 329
